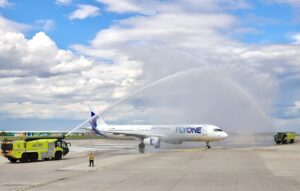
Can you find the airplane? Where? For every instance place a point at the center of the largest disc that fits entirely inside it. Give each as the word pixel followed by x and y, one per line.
pixel 155 134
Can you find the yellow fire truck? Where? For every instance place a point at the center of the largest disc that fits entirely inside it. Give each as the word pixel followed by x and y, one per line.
pixel 284 137
pixel 32 149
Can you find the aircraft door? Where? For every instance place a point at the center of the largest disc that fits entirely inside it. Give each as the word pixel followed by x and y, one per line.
pixel 204 132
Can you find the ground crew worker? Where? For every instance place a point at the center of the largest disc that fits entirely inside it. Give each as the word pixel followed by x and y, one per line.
pixel 91 158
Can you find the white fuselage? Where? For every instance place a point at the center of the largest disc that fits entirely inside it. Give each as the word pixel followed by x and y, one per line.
pixel 166 133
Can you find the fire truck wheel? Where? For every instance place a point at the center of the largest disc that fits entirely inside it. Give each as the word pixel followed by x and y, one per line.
pixel 12 160
pixel 34 157
pixel 24 158
pixel 58 155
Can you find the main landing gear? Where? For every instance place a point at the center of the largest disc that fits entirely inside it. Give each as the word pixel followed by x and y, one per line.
pixel 207 145
pixel 142 146
pixel 157 146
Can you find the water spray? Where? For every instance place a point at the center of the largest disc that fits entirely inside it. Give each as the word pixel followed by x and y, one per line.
pixel 132 94
pixel 251 99
pixel 169 77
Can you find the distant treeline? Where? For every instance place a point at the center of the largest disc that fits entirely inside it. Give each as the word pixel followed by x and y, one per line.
pixel 42 133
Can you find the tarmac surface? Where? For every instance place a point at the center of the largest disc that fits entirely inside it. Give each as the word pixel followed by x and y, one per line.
pixel 119 166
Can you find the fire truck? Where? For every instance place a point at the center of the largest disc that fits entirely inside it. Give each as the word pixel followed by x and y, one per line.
pixel 284 137
pixel 32 149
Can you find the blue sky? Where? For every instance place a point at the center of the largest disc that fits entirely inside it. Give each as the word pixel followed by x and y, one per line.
pixel 271 27
pixel 28 12
pixel 69 54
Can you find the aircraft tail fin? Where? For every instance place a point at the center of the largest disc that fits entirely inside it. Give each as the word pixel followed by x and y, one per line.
pixel 95 120
pixel 94 124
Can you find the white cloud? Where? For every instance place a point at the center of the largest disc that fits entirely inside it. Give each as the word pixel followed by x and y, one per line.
pixel 9 26
pixel 45 25
pixel 164 28
pixel 296 38
pixel 63 2
pixel 167 44
pixel 4 3
pixel 153 7
pixel 211 78
pixel 84 11
pixel 287 124
pixel 41 53
pixel 40 80
pixel 294 111
pixel 123 6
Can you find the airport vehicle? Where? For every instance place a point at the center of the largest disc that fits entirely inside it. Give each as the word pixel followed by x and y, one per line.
pixel 284 137
pixel 154 134
pixel 32 149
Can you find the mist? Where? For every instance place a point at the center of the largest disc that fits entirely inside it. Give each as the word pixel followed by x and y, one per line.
pixel 185 90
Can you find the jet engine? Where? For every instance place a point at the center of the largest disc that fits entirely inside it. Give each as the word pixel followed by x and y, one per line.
pixel 154 141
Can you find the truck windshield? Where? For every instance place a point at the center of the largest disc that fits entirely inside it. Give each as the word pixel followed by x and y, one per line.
pixel 64 144
pixel 58 143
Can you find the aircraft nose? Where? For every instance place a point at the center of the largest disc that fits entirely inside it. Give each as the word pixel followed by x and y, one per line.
pixel 225 135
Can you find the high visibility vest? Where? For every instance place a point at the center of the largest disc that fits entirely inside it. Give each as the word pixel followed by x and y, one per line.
pixel 91 156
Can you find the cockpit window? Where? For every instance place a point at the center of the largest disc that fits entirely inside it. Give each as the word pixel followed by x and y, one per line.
pixel 217 130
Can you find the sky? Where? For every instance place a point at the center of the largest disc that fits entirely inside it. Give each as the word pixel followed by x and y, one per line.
pixel 232 63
